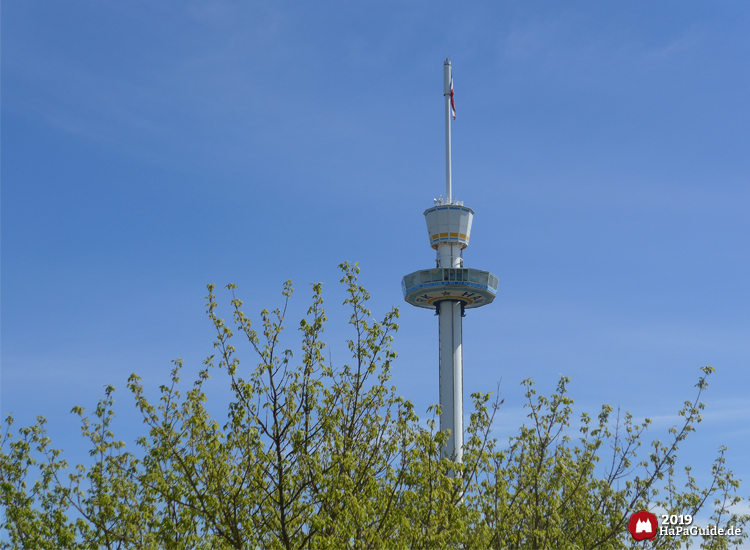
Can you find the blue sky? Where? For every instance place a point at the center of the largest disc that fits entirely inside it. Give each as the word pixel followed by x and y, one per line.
pixel 149 149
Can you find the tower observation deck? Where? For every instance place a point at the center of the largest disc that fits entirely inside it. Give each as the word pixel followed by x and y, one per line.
pixel 450 288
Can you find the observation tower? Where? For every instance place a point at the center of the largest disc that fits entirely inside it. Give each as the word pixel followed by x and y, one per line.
pixel 450 288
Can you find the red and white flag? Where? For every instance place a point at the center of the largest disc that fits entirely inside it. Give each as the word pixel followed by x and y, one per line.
pixel 453 103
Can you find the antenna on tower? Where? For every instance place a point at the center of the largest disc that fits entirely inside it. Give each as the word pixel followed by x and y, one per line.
pixel 448 94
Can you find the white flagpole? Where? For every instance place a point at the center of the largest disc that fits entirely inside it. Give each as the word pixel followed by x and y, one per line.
pixel 447 75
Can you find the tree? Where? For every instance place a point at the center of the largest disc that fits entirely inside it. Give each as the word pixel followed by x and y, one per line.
pixel 314 456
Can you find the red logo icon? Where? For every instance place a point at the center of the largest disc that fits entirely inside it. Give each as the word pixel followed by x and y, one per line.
pixel 643 525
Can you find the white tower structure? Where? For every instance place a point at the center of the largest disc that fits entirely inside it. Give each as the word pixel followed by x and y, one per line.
pixel 450 288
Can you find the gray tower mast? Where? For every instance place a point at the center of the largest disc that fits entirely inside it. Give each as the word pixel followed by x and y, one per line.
pixel 450 288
